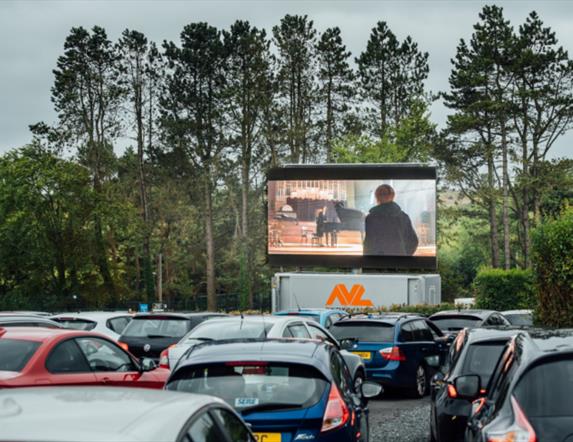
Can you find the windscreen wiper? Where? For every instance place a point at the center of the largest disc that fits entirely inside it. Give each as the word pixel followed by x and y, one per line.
pixel 201 339
pixel 269 406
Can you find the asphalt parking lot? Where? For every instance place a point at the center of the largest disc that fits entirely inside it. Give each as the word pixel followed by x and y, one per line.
pixel 396 419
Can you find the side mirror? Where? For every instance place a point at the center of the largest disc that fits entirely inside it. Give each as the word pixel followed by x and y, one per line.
pixel 468 387
pixel 370 389
pixel 433 361
pixel 148 364
pixel 347 343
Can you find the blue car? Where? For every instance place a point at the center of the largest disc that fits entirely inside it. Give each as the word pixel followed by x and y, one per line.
pixel 286 390
pixel 400 351
pixel 325 317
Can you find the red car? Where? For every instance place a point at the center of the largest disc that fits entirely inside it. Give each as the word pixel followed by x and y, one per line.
pixel 37 356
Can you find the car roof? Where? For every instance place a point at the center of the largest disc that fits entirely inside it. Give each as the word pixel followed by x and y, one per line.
pixel 484 334
pixel 27 318
pixel 552 341
pixel 388 318
pixel 91 315
pixel 167 315
pixel 310 311
pixel 40 334
pixel 81 414
pixel 517 312
pixel 464 312
pixel 296 351
pixel 24 312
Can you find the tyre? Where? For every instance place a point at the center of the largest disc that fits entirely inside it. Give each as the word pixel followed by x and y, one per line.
pixel 421 383
pixel 364 429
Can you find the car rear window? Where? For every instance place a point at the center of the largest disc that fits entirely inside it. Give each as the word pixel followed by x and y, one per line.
pixel 481 359
pixel 525 319
pixel 365 332
pixel 455 322
pixel 252 385
pixel 229 330
pixel 76 324
pixel 546 390
pixel 157 327
pixel 15 353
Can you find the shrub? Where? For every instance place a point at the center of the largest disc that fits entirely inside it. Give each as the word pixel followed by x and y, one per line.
pixel 498 289
pixel 552 257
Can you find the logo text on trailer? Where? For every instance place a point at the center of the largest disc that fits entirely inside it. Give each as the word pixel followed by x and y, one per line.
pixel 352 298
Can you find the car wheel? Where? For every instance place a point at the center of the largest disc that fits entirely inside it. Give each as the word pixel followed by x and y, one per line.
pixel 421 382
pixel 358 381
pixel 364 429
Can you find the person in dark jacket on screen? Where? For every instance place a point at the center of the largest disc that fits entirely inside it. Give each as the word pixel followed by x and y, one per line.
pixel 389 230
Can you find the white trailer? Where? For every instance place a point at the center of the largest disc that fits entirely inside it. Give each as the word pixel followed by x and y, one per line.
pixel 354 291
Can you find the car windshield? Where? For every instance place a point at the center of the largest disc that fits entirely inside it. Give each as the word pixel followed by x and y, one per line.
pixel 157 328
pixel 15 353
pixel 481 359
pixel 545 391
pixel 525 319
pixel 218 330
pixel 254 385
pixel 365 332
pixel 456 322
pixel 76 324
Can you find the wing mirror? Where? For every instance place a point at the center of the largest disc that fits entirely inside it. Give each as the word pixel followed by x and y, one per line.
pixel 148 364
pixel 468 387
pixel 370 389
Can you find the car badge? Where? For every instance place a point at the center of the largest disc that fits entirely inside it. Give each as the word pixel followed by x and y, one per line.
pixel 146 347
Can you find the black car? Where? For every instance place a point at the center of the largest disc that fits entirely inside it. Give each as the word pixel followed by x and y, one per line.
pixel 530 394
pixel 148 334
pixel 475 352
pixel 452 321
pixel 27 321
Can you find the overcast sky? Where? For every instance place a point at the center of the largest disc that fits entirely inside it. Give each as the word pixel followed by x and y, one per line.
pixel 32 34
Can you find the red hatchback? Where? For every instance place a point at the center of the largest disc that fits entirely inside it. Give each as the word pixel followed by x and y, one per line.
pixel 35 356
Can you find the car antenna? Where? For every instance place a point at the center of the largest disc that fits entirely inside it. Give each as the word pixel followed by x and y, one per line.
pixel 296 300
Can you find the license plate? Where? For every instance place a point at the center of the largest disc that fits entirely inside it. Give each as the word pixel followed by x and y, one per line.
pixel 363 354
pixel 268 437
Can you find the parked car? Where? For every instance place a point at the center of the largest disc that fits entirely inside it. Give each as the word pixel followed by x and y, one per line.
pixel 519 317
pixel 399 350
pixel 475 352
pixel 325 317
pixel 529 394
pixel 20 320
pixel 43 356
pixel 25 313
pixel 286 390
pixel 87 414
pixel 259 327
pixel 452 321
pixel 110 324
pixel 148 334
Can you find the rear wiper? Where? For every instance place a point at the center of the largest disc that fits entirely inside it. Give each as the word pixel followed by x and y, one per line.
pixel 270 406
pixel 158 336
pixel 201 339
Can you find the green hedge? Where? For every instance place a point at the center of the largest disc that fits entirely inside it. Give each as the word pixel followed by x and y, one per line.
pixel 552 257
pixel 498 289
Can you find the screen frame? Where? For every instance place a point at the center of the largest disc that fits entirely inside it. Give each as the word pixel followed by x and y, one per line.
pixel 353 172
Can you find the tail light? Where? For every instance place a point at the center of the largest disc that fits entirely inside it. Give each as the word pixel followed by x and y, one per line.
pixel 521 430
pixel 337 413
pixel 452 392
pixel 164 357
pixel 392 354
pixel 123 345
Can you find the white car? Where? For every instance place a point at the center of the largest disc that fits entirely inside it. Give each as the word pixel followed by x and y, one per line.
pixel 519 317
pixel 88 414
pixel 259 327
pixel 109 323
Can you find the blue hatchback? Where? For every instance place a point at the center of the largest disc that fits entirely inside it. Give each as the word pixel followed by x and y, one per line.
pixel 399 350
pixel 325 317
pixel 287 390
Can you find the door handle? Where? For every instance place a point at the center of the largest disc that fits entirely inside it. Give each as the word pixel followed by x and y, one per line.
pixel 106 380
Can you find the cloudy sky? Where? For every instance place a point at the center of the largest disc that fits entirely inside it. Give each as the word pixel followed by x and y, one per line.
pixel 32 33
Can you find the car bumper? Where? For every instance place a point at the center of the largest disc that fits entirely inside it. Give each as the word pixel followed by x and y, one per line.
pixel 392 375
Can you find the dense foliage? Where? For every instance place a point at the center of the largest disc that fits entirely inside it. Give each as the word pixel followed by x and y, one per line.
pixel 499 289
pixel 151 182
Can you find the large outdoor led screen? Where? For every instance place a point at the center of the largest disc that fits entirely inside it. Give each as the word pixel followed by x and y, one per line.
pixel 377 216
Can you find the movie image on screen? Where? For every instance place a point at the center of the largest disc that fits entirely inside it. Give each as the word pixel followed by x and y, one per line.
pixel 372 218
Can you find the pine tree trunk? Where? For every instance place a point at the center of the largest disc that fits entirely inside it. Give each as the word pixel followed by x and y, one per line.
pixel 210 264
pixel 245 228
pixel 494 240
pixel 505 214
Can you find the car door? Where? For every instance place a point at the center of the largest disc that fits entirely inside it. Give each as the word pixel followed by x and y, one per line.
pixel 203 428
pixel 232 426
pixel 66 365
pixel 113 366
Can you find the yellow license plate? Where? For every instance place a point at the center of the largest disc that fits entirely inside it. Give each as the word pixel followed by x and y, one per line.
pixel 363 354
pixel 268 437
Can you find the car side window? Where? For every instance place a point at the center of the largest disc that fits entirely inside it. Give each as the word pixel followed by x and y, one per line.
pixel 407 332
pixel 204 429
pixel 67 358
pixel 287 333
pixel 103 355
pixel 232 425
pixel 299 331
pixel 118 324
pixel 423 331
pixel 328 322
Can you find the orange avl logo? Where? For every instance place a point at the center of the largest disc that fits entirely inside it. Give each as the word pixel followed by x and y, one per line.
pixel 349 299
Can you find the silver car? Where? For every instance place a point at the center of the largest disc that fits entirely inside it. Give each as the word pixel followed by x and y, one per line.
pixel 99 414
pixel 110 324
pixel 258 327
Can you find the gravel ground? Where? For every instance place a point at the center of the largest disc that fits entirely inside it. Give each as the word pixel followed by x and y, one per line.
pixel 395 419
